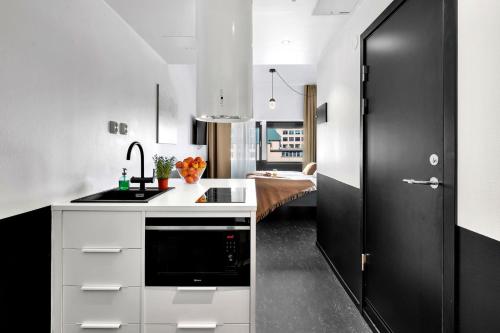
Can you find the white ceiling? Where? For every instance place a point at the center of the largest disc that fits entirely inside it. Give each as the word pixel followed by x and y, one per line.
pixel 169 27
pixel 278 20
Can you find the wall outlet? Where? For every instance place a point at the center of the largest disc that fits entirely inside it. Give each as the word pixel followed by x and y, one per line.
pixel 113 127
pixel 123 128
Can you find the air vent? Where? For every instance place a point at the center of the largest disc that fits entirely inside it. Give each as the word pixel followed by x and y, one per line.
pixel 334 7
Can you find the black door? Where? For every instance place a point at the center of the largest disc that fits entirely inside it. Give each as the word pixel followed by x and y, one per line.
pixel 402 128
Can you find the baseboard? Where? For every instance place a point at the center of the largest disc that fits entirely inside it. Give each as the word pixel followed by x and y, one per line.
pixel 339 277
pixel 374 320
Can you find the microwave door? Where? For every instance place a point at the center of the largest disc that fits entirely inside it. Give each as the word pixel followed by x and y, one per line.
pixel 197 257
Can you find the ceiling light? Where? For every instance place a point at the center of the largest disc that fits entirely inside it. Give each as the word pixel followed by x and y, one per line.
pixel 286 41
pixel 272 101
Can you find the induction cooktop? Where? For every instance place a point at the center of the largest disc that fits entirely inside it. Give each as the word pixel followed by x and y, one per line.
pixel 223 195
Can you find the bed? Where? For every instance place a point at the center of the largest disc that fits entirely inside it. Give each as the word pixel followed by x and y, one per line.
pixel 276 189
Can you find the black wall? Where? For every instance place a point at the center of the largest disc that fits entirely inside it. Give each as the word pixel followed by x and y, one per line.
pixel 478 283
pixel 25 272
pixel 339 231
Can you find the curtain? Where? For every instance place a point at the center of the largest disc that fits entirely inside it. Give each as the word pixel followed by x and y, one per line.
pixel 219 150
pixel 243 149
pixel 309 124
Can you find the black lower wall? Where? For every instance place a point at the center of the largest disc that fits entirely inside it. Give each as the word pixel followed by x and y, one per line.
pixel 478 283
pixel 339 230
pixel 25 272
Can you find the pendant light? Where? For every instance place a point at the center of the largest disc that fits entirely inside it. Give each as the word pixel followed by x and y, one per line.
pixel 224 60
pixel 272 101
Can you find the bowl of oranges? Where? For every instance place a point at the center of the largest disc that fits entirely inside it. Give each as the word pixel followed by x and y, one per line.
pixel 191 169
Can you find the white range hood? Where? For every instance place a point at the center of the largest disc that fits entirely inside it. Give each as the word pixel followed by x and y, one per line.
pixel 224 60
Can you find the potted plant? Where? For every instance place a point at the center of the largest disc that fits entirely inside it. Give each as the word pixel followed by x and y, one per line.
pixel 164 166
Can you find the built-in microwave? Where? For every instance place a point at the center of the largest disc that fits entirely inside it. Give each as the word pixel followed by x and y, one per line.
pixel 197 252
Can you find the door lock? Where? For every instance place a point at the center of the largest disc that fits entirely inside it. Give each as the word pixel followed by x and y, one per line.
pixel 434 159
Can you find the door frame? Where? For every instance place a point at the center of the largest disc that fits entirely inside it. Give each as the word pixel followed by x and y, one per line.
pixel 450 35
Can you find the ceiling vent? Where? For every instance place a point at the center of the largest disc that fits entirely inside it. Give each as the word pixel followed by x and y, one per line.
pixel 334 7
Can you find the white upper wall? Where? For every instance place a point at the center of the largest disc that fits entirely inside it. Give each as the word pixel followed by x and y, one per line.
pixel 479 117
pixel 68 67
pixel 289 105
pixel 338 85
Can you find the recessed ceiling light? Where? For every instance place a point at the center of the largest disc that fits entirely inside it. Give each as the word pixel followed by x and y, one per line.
pixel 286 41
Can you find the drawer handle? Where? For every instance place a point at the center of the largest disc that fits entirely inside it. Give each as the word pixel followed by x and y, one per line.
pixel 197 326
pixel 101 250
pixel 196 288
pixel 112 287
pixel 100 325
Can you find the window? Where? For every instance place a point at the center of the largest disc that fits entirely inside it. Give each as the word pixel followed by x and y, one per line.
pixel 281 144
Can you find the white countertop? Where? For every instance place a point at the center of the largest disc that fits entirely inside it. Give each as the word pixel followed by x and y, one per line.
pixel 182 198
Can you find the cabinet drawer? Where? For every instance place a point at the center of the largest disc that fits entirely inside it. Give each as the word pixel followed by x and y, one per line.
pixel 101 230
pixel 101 306
pixel 170 306
pixel 123 268
pixel 232 328
pixel 126 328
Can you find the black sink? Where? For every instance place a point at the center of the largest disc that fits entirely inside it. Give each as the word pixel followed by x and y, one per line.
pixel 115 195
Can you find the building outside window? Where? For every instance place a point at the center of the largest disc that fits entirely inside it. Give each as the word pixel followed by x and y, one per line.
pixel 278 149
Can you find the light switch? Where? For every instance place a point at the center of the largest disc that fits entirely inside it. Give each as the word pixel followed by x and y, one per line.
pixel 113 127
pixel 123 128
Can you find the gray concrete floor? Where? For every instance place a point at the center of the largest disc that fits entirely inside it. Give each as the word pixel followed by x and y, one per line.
pixel 296 290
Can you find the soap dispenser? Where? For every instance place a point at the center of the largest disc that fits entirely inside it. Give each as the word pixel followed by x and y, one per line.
pixel 123 183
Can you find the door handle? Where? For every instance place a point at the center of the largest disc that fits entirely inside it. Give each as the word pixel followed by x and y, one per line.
pixel 433 182
pixel 198 326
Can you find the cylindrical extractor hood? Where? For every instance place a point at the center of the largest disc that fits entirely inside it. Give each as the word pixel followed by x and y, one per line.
pixel 224 60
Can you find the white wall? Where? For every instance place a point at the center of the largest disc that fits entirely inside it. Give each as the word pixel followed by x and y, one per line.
pixel 338 84
pixel 289 105
pixel 479 117
pixel 67 68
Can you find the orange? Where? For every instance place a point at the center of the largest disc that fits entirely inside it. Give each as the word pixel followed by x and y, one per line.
pixel 189 179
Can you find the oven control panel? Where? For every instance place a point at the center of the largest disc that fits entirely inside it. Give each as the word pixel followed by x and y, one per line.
pixel 230 251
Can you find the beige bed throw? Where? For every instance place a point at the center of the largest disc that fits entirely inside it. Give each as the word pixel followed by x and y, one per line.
pixel 273 193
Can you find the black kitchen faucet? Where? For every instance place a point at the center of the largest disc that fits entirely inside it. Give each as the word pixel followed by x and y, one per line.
pixel 142 180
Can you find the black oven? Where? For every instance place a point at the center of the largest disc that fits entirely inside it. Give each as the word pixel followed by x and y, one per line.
pixel 197 252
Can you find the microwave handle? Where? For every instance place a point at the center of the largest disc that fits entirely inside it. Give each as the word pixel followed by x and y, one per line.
pixel 196 288
pixel 192 227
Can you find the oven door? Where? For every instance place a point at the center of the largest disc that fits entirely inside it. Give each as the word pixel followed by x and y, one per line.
pixel 197 256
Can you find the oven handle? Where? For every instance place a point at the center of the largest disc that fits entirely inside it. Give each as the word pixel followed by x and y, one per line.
pixel 193 227
pixel 196 288
pixel 198 326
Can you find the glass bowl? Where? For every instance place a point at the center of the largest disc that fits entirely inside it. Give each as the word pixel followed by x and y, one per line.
pixel 191 175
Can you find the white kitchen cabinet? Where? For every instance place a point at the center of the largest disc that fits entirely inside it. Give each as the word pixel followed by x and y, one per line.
pixel 101 230
pixel 122 305
pixel 123 267
pixel 169 305
pixel 230 328
pixel 124 328
pixel 98 260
